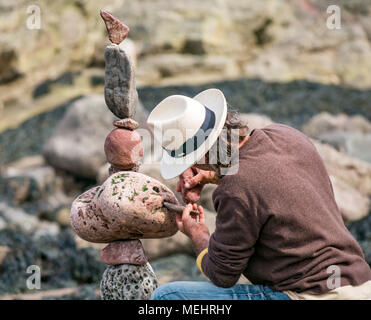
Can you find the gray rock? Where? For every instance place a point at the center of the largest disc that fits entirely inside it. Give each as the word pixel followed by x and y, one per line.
pixel 324 123
pixel 120 91
pixel 128 282
pixel 8 63
pixel 27 184
pixel 77 143
pixel 354 144
pixel 352 204
pixel 353 171
pixel 17 219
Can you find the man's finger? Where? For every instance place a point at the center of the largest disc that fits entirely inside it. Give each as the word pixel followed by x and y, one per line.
pixel 179 222
pixel 186 212
pixel 192 182
pixel 201 215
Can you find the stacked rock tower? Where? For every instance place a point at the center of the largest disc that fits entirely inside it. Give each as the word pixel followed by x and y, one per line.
pixel 128 206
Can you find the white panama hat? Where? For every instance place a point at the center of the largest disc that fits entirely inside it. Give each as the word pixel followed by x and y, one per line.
pixel 187 128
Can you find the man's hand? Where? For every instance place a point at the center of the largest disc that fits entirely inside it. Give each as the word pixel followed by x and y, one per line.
pixel 191 183
pixel 194 227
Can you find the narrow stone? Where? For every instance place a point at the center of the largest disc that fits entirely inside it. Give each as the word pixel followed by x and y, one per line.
pixel 127 123
pixel 117 31
pixel 124 251
pixel 120 91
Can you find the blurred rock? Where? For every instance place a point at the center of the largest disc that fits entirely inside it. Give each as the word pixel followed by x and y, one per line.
pixel 18 219
pixel 361 230
pixel 352 204
pixel 3 252
pixel 324 122
pixel 8 63
pixel 62 263
pixel 354 172
pixel 178 267
pixel 63 217
pixel 349 134
pixel 354 144
pixel 103 174
pixel 77 143
pixel 28 184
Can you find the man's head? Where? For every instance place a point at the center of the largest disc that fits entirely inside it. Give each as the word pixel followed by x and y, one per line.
pixel 186 128
pixel 220 154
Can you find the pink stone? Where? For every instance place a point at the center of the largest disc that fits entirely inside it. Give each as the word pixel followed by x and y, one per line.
pixel 123 148
pixel 128 205
pixel 124 251
pixel 117 31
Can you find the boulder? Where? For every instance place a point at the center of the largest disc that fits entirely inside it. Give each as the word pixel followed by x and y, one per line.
pixel 77 144
pixel 354 144
pixel 27 184
pixel 325 122
pixel 16 218
pixel 352 204
pixel 354 172
pixel 127 206
pixel 128 282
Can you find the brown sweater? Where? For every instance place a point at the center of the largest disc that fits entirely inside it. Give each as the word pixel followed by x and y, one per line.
pixel 277 220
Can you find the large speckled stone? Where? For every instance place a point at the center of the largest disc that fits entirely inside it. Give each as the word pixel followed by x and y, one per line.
pixel 128 282
pixel 128 205
pixel 120 92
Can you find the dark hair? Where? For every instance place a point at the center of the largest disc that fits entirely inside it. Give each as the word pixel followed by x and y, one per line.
pixel 233 121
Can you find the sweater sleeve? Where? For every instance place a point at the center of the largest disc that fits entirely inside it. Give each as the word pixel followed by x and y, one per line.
pixel 232 243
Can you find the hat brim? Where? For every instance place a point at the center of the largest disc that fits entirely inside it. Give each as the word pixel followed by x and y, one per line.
pixel 214 100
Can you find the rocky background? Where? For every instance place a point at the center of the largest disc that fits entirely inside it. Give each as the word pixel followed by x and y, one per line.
pixel 275 60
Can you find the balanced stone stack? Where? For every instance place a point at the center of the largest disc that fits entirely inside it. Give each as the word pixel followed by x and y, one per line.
pixel 128 206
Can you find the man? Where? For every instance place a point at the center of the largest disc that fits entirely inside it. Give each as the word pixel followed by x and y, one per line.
pixel 277 221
